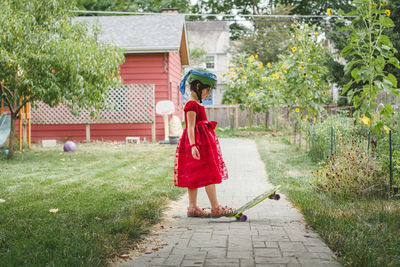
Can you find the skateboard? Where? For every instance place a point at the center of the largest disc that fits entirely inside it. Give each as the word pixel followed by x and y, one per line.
pixel 271 194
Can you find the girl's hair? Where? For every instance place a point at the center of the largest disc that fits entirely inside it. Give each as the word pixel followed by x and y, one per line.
pixel 193 87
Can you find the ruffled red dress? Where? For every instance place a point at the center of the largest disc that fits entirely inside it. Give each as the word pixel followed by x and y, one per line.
pixel 210 169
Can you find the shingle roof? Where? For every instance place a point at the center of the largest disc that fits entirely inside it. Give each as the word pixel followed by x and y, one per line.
pixel 134 34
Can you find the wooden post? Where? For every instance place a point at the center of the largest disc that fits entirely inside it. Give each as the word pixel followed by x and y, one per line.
pixel 236 117
pixel 153 126
pixel 87 132
pixel 28 117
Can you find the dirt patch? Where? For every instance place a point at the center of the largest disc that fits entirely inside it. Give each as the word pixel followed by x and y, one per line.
pixel 152 242
pixel 245 133
pixel 295 173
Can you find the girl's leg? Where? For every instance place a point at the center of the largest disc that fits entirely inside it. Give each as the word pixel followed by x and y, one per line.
pixel 212 195
pixel 192 197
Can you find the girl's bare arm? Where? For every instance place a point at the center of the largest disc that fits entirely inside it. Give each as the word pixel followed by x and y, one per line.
pixel 191 117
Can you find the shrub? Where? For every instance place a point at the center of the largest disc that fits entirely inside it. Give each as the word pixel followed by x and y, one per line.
pixel 352 173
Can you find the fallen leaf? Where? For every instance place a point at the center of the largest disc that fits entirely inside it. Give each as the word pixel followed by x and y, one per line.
pixel 53 210
pixel 124 256
pixel 155 248
pixel 2 200
pixel 98 219
pixel 134 168
pixel 148 252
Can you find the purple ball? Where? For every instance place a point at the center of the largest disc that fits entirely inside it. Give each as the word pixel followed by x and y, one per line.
pixel 69 146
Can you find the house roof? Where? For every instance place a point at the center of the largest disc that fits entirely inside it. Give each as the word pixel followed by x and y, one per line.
pixel 144 34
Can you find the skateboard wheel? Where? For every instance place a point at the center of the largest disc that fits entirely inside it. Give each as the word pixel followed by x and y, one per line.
pixel 237 218
pixel 277 197
pixel 271 196
pixel 243 218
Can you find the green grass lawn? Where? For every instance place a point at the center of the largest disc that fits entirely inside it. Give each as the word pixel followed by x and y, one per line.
pixel 364 232
pixel 107 196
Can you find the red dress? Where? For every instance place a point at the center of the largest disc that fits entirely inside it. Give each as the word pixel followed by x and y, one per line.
pixel 210 169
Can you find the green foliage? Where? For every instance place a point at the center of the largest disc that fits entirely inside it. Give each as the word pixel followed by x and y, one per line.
pixel 370 51
pixel 305 87
pixel 321 135
pixel 44 56
pixel 249 86
pixel 266 37
pixel 155 6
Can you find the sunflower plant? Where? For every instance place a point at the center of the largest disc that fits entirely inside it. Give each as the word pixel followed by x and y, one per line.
pixel 370 51
pixel 305 87
pixel 250 86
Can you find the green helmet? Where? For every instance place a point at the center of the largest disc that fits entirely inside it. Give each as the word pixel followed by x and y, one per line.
pixel 202 75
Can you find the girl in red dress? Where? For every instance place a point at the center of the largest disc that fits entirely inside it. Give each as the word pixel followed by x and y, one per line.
pixel 198 159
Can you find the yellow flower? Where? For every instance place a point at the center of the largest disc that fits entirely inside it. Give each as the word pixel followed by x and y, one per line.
pixel 329 12
pixel 231 69
pixel 256 55
pixel 251 58
pixel 315 119
pixel 241 68
pixel 297 110
pixel 316 33
pixel 366 121
pixel 297 36
pixel 228 73
pixel 261 65
pixel 244 77
pixel 294 49
pixel 373 6
pixel 269 88
pixel 280 82
pixel 300 50
pixel 308 60
pixel 301 67
pixel 304 75
pixel 285 71
pixel 283 66
pixel 264 78
pixel 269 64
pixel 386 129
pixel 251 93
pixel 383 3
pixel 5 37
pixel 387 11
pixel 8 63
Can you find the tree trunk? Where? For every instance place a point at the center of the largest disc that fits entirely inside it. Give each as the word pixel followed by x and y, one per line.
pixel 267 118
pixel 12 135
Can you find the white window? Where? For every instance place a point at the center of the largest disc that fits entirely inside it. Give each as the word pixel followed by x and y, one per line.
pixel 210 62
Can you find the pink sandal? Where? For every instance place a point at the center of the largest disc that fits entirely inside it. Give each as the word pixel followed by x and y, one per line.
pixel 222 211
pixel 197 212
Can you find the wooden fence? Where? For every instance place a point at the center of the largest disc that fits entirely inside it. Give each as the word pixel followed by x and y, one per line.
pixel 232 115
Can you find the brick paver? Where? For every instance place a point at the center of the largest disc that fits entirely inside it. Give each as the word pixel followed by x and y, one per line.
pixel 274 234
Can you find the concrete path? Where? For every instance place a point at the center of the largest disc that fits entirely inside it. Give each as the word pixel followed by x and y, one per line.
pixel 274 234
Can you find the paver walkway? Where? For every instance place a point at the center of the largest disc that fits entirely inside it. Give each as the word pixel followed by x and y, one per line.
pixel 274 234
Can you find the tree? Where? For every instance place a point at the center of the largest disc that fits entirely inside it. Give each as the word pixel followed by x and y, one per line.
pixel 44 56
pixel 155 6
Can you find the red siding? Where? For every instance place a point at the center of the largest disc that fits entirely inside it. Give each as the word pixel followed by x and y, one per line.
pixel 164 70
pixel 175 76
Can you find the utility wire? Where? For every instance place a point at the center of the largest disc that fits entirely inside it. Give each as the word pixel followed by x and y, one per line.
pixel 208 15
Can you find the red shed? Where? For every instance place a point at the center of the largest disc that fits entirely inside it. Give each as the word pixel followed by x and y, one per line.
pixel 155 48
